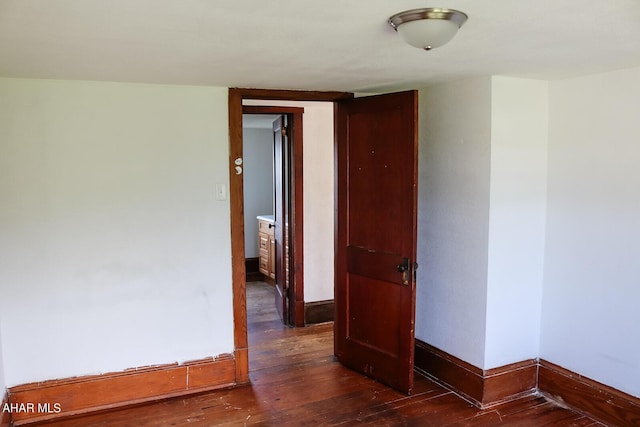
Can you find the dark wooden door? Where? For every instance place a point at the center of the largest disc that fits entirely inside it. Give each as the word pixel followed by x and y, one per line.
pixel 281 211
pixel 377 149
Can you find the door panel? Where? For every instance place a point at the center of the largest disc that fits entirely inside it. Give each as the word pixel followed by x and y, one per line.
pixel 368 323
pixel 375 265
pixel 376 236
pixel 378 193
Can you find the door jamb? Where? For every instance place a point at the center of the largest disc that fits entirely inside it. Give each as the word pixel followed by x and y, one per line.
pixel 236 200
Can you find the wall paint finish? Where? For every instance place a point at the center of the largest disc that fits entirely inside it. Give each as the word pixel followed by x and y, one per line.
pixel 519 131
pixel 453 216
pixel 3 384
pixel 257 149
pixel 318 196
pixel 481 228
pixel 114 252
pixel 590 312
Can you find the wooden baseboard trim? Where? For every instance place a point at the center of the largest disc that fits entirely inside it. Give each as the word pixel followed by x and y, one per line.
pixel 318 312
pixel 510 382
pixel 483 388
pixel 487 388
pixel 455 374
pixel 604 403
pixel 252 265
pixel 74 396
pixel 252 270
pixel 5 416
pixel 242 365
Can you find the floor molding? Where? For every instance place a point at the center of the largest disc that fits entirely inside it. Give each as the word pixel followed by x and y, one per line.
pixel 5 416
pixel 252 270
pixel 242 365
pixel 487 388
pixel 81 395
pixel 590 397
pixel 483 388
pixel 318 312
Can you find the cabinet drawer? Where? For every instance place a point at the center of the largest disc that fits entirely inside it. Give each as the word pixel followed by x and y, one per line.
pixel 263 241
pixel 264 265
pixel 265 227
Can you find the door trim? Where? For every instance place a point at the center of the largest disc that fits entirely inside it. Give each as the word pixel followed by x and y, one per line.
pixel 236 200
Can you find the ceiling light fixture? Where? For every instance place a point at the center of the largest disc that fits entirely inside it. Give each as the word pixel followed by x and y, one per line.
pixel 428 28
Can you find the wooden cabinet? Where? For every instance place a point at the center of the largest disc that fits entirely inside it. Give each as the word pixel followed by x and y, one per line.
pixel 267 248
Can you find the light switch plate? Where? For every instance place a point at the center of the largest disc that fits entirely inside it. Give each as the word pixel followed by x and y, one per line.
pixel 221 192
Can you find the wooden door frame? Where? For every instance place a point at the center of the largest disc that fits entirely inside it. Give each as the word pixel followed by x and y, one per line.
pixel 236 200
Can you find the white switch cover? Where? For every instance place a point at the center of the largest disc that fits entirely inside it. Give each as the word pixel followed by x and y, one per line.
pixel 221 192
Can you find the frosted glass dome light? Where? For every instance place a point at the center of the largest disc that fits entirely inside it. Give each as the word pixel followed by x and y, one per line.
pixel 428 28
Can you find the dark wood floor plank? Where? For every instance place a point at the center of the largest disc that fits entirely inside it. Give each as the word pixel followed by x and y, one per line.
pixel 295 381
pixel 547 414
pixel 443 410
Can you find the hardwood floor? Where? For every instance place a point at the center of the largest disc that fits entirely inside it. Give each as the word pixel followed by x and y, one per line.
pixel 296 382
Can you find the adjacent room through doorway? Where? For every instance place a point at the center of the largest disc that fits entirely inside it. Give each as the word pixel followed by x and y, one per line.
pixel 315 297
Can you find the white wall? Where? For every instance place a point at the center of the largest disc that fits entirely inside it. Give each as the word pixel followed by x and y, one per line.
pixel 317 196
pixel 481 218
pixel 519 131
pixel 590 312
pixel 257 153
pixel 114 252
pixel 453 216
pixel 3 383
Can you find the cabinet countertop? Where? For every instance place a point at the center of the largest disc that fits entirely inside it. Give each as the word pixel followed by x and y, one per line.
pixel 268 218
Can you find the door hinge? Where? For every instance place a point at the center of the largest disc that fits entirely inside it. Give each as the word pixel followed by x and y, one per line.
pixel 284 131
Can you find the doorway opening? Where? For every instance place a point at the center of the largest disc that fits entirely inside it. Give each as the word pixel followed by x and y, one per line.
pixel 236 191
pixel 376 153
pixel 310 286
pixel 273 215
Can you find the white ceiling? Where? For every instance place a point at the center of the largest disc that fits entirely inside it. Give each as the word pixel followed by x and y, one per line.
pixel 313 45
